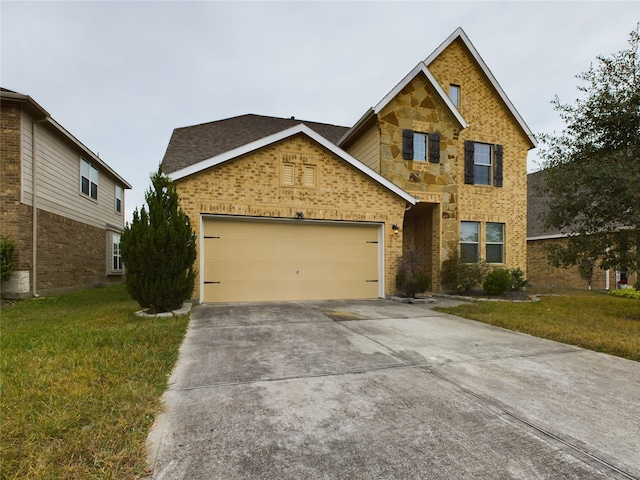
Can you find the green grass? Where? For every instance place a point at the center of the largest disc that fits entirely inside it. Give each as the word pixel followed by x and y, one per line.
pixel 81 383
pixel 592 320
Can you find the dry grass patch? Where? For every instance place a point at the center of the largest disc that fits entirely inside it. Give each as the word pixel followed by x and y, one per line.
pixel 591 320
pixel 81 384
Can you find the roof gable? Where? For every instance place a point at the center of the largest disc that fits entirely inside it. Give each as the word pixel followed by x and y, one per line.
pixel 421 68
pixel 281 135
pixel 41 115
pixel 460 34
pixel 193 144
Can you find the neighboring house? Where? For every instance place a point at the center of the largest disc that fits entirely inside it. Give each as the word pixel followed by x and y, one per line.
pixel 290 209
pixel 60 203
pixel 539 272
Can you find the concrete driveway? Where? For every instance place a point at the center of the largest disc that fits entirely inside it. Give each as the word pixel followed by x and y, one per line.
pixel 382 390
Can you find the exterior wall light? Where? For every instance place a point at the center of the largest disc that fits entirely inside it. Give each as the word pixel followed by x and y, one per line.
pixel 395 229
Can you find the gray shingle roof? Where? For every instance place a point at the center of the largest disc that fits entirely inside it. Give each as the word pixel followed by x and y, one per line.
pixel 190 145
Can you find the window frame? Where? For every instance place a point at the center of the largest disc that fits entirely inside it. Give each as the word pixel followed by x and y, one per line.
pixel 89 173
pixel 486 167
pixel 119 197
pixel 488 243
pixel 420 139
pixel 463 256
pixel 455 88
pixel 114 253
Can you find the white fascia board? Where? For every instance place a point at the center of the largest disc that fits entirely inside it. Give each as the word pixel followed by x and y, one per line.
pixel 276 137
pixel 422 67
pixel 463 36
pixel 95 158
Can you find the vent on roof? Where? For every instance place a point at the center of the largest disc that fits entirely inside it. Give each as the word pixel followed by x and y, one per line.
pixel 293 118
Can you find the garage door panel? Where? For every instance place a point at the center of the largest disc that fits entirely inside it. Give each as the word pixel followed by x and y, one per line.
pixel 246 260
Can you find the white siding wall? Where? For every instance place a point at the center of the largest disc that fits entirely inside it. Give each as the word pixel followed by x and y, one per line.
pixel 58 179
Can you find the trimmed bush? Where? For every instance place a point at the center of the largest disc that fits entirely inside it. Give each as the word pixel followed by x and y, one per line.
pixel 462 277
pixel 497 281
pixel 626 293
pixel 7 248
pixel 518 282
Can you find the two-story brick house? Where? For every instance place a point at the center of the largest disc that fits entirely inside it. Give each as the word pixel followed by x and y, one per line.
pixel 60 203
pixel 290 209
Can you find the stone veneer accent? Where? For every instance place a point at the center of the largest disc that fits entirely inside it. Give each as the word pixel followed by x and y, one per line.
pixel 252 185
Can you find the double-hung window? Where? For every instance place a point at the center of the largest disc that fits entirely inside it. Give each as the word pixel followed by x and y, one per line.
pixel 421 146
pixel 116 255
pixel 482 164
pixel 88 179
pixel 495 242
pixel 118 199
pixel 469 242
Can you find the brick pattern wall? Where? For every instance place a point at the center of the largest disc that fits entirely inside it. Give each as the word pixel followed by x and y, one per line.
pixel 542 275
pixel 71 255
pixel 489 121
pixel 15 218
pixel 253 186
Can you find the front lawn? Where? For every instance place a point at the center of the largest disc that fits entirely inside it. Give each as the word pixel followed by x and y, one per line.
pixel 81 383
pixel 592 320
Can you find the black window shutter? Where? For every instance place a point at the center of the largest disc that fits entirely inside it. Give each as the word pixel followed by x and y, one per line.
pixel 468 161
pixel 497 165
pixel 434 147
pixel 407 144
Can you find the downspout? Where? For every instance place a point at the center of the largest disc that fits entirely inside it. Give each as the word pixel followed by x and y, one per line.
pixel 34 202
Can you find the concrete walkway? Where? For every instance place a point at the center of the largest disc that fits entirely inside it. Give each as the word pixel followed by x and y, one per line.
pixel 382 390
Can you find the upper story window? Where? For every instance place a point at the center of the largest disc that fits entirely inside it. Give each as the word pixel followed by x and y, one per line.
pixel 118 199
pixel 420 146
pixel 454 94
pixel 88 179
pixel 482 164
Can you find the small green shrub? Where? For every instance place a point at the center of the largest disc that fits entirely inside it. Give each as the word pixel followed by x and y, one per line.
pixel 626 293
pixel 462 277
pixel 518 282
pixel 497 281
pixel 409 280
pixel 7 249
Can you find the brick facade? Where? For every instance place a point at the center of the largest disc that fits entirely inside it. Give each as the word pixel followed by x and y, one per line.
pixel 252 186
pixel 543 275
pixel 71 254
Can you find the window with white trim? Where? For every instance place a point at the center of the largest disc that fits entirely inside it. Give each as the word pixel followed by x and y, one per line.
pixel 118 199
pixel 420 146
pixel 495 242
pixel 116 253
pixel 454 94
pixel 88 179
pixel 469 242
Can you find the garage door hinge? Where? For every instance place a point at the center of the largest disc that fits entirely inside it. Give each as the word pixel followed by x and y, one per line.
pixel 210 237
pixel 207 283
pixel 371 281
pixel 371 242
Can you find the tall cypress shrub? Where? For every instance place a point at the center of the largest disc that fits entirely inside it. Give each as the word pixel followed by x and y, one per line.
pixel 159 250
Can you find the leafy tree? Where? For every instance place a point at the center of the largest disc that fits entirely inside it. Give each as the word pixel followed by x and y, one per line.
pixel 159 250
pixel 592 169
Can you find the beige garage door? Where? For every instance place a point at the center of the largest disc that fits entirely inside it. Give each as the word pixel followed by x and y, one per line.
pixel 257 260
